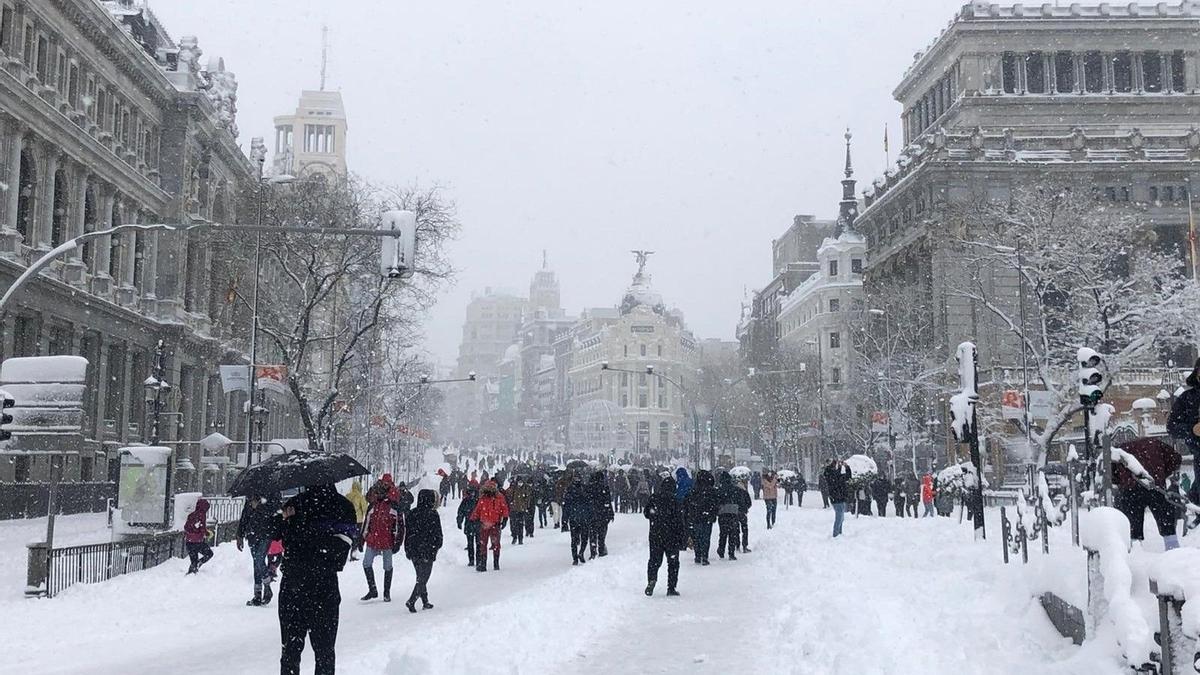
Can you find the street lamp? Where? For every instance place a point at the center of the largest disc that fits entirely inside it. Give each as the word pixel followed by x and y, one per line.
pixel 154 387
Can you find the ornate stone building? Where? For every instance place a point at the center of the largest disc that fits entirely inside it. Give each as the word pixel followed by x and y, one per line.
pixel 107 120
pixel 1107 95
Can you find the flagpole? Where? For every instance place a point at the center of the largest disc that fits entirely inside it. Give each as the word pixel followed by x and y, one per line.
pixel 1192 232
pixel 887 155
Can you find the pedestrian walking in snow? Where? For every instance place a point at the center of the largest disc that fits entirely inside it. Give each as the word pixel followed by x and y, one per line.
pixel 520 500
pixel 824 490
pixel 744 504
pixel 195 536
pixel 912 492
pixel 359 500
pixel 700 507
pixel 770 495
pixel 491 512
pixel 862 501
pixel 837 484
pixel 254 528
pixel 556 507
pixel 317 529
pixel 1159 461
pixel 899 497
pixel 801 488
pixel 542 494
pixel 602 515
pixel 927 495
pixel 422 541
pixel 728 512
pixel 756 483
pixel 668 536
pixel 879 490
pixel 789 486
pixel 643 492
pixel 469 527
pixel 683 483
pixel 382 533
pixel 577 517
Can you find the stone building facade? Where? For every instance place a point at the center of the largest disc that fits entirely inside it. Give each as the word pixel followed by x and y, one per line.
pixel 1107 95
pixel 106 120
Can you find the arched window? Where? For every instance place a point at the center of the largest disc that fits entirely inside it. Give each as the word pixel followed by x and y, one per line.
pixel 89 225
pixel 58 217
pixel 114 246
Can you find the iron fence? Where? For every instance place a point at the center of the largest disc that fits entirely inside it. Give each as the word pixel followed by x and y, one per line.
pixel 94 563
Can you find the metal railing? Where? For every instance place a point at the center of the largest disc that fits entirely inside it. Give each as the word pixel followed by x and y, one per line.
pixel 94 563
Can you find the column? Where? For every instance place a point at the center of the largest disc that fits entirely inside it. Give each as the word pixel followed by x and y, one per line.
pixel 9 239
pixel 1139 76
pixel 45 216
pixel 150 265
pixel 101 281
pixel 75 268
pixel 1077 60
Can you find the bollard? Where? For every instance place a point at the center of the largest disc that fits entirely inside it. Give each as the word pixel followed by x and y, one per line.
pixel 37 578
pixel 1097 602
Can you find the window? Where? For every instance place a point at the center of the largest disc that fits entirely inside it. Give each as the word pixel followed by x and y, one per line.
pixel 624 379
pixel 662 400
pixel 642 400
pixel 1152 72
pixel 1064 72
pixel 1093 72
pixel 1178 82
pixel 643 349
pixel 43 60
pixel 625 350
pixel 318 138
pixel 6 25
pixel 664 435
pixel 624 400
pixel 835 376
pixel 1009 69
pixel 1153 193
pixel 1122 64
pixel 641 379
pixel 833 268
pixel 27 47
pixel 856 266
pixel 835 305
pixel 835 340
pixel 660 350
pixel 1035 73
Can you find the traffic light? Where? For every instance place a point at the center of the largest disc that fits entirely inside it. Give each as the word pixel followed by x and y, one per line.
pixel 6 401
pixel 1091 378
pixel 396 252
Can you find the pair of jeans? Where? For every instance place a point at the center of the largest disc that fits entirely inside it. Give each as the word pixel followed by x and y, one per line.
pixel 772 504
pixel 929 512
pixel 423 569
pixel 310 613
pixel 744 520
pixel 516 527
pixel 258 554
pixel 369 558
pixel 728 530
pixel 541 515
pixel 701 540
pixel 839 515
pixel 656 558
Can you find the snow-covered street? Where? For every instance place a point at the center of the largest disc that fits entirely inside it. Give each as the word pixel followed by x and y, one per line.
pixel 891 596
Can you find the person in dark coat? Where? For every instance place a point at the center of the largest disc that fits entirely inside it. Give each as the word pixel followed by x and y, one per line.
pixel 837 484
pixel 1181 424
pixel 1159 460
pixel 744 504
pixel 317 528
pixel 254 528
pixel 577 517
pixel 879 490
pixel 543 494
pixel 801 487
pixel 602 514
pixel 668 536
pixel 899 498
pixel 463 519
pixel 824 490
pixel 700 507
pixel 729 506
pixel 422 540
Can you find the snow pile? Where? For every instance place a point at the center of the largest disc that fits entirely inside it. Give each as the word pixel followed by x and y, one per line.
pixel 1099 419
pixel 1177 574
pixel 1106 531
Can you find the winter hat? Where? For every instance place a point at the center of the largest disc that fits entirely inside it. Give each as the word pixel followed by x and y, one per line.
pixel 489 486
pixel 387 478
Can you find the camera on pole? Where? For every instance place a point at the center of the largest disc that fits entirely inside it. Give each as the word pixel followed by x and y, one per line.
pixel 6 402
pixel 396 252
pixel 1091 377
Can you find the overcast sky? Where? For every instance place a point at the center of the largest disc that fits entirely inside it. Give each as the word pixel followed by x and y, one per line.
pixel 696 129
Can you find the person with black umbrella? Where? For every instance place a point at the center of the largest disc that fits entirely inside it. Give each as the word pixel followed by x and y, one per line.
pixel 317 528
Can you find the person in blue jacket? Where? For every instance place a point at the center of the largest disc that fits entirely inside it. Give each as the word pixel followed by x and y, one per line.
pixel 683 483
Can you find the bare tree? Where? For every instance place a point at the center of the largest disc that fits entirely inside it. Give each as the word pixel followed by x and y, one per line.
pixel 323 304
pixel 1092 274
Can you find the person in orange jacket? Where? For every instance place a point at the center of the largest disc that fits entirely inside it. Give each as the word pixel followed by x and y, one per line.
pixel 491 512
pixel 927 495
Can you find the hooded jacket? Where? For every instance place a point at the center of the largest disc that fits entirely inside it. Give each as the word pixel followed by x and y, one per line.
pixel 577 504
pixel 601 498
pixel 470 498
pixel 837 483
pixel 491 508
pixel 730 497
pixel 316 540
pixel 927 493
pixel 1185 414
pixel 700 504
pixel 683 483
pixel 195 528
pixel 424 535
pixel 255 522
pixel 383 528
pixel 359 500
pixel 520 496
pixel 668 531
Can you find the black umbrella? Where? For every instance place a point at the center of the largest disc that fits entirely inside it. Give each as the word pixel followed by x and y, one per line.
pixel 577 464
pixel 294 469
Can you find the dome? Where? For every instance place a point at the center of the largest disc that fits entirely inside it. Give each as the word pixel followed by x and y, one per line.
pixel 642 293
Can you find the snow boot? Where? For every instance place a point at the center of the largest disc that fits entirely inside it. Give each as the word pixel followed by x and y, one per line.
pixel 470 556
pixel 257 599
pixel 267 594
pixel 411 605
pixel 387 585
pixel 672 592
pixel 495 560
pixel 650 589
pixel 371 593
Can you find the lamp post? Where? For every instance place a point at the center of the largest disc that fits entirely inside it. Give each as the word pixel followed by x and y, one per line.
pixel 155 385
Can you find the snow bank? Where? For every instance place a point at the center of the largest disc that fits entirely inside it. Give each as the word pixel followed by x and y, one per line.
pixel 1106 530
pixel 1177 573
pixel 44 369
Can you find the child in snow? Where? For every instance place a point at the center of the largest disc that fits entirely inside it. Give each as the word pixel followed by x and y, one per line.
pixel 195 536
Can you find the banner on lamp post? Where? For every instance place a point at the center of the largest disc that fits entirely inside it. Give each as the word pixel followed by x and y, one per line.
pixel 235 378
pixel 1012 404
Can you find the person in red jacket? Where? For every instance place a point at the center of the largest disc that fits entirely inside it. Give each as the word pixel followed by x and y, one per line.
pixel 491 512
pixel 1159 460
pixel 927 494
pixel 382 533
pixel 195 536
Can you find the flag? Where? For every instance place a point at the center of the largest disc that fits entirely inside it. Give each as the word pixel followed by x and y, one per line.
pixel 231 292
pixel 885 139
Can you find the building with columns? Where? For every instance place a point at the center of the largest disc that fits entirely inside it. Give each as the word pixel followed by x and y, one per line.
pixel 1107 95
pixel 312 140
pixel 106 120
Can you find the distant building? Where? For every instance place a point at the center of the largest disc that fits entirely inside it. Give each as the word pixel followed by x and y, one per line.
pixel 485 410
pixel 313 139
